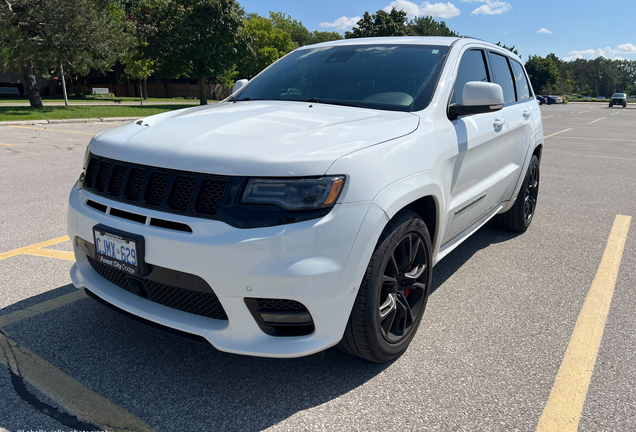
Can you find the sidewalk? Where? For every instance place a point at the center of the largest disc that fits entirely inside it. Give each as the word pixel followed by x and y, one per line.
pixel 86 120
pixel 123 103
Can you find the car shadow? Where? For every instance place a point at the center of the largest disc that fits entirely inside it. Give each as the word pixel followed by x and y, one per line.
pixel 487 235
pixel 171 383
pixel 175 384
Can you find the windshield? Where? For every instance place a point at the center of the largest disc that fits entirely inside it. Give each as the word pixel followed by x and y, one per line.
pixel 619 95
pixel 391 77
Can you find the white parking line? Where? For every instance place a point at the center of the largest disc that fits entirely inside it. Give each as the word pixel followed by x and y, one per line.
pixel 597 120
pixel 556 133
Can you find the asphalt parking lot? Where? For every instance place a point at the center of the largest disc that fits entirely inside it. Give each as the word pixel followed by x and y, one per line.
pixel 497 349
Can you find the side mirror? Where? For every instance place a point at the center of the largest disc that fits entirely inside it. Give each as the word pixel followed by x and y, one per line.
pixel 478 97
pixel 238 85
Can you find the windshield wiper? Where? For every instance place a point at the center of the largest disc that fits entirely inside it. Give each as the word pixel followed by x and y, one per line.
pixel 314 100
pixel 240 100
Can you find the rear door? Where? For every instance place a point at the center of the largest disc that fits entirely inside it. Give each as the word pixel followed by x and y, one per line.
pixel 521 115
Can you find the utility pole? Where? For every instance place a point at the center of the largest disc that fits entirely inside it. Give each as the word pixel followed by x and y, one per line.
pixel 63 84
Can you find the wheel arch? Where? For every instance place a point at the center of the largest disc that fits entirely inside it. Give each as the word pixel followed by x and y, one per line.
pixel 421 193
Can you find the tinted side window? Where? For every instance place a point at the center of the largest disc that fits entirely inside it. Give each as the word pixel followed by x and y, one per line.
pixel 471 68
pixel 503 77
pixel 523 89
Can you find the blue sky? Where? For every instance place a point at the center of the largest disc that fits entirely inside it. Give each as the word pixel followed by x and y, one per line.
pixel 568 28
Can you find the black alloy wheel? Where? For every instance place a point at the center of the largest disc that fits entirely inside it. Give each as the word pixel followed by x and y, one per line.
pixel 392 297
pixel 521 214
pixel 403 287
pixel 532 193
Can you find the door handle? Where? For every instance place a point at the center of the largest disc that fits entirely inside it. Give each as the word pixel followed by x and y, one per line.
pixel 498 123
pixel 527 113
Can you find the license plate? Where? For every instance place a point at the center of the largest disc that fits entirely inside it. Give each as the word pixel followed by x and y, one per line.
pixel 117 251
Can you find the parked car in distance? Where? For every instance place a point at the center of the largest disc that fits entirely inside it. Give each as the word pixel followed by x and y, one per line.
pixel 550 100
pixel 618 99
pixel 600 98
pixel 558 99
pixel 587 97
pixel 541 100
pixel 632 97
pixel 308 209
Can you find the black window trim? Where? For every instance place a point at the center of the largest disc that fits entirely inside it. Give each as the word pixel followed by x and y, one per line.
pixel 512 76
pixel 530 89
pixel 486 64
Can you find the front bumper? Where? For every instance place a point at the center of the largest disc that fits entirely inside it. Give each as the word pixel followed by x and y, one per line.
pixel 319 263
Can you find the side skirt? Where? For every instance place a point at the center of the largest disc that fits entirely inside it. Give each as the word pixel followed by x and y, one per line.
pixel 450 245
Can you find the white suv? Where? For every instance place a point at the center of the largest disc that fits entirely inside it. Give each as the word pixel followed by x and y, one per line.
pixel 308 209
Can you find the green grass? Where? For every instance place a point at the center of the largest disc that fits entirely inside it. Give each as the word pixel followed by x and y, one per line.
pixel 91 99
pixel 79 112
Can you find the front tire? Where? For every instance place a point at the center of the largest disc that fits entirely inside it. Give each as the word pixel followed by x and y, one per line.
pixel 393 294
pixel 520 215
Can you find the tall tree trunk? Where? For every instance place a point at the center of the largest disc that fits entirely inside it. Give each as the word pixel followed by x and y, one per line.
pixel 165 88
pixel 32 89
pixel 141 95
pixel 127 87
pixel 146 88
pixel 203 97
pixel 64 85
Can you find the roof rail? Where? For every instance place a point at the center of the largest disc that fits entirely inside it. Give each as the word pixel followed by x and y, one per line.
pixel 470 37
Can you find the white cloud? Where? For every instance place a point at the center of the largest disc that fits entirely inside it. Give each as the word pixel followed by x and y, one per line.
pixel 544 30
pixel 627 48
pixel 438 10
pixel 341 23
pixel 607 53
pixel 490 7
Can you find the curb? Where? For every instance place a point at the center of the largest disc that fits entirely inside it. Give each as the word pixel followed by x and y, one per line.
pixel 68 121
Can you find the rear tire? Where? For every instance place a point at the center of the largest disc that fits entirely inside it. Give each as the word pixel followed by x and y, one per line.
pixel 519 217
pixel 393 294
pixel 611 105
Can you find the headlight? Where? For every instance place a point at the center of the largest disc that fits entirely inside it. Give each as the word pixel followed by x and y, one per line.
pixel 294 194
pixel 87 154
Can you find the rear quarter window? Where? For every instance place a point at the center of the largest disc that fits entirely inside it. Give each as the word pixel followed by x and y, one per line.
pixel 523 88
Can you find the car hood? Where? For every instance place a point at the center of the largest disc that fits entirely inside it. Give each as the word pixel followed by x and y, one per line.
pixel 253 138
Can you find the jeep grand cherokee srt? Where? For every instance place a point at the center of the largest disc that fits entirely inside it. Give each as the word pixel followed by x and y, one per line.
pixel 309 208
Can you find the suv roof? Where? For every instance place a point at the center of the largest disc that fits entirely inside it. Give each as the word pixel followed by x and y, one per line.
pixel 416 40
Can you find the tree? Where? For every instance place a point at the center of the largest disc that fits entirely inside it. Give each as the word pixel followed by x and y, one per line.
pixel 194 38
pixel 267 44
pixel 324 36
pixel 544 74
pixel 511 49
pixel 299 33
pixel 427 26
pixel 37 36
pixel 381 23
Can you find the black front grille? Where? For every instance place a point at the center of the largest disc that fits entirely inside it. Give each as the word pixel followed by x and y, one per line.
pixel 117 180
pixel 194 302
pixel 199 195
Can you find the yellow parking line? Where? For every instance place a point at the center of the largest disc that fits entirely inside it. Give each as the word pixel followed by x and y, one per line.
pixel 597 120
pixel 556 133
pixel 8 145
pixel 70 256
pixel 60 387
pixel 563 410
pixel 39 308
pixel 53 130
pixel 35 249
pixel 65 391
